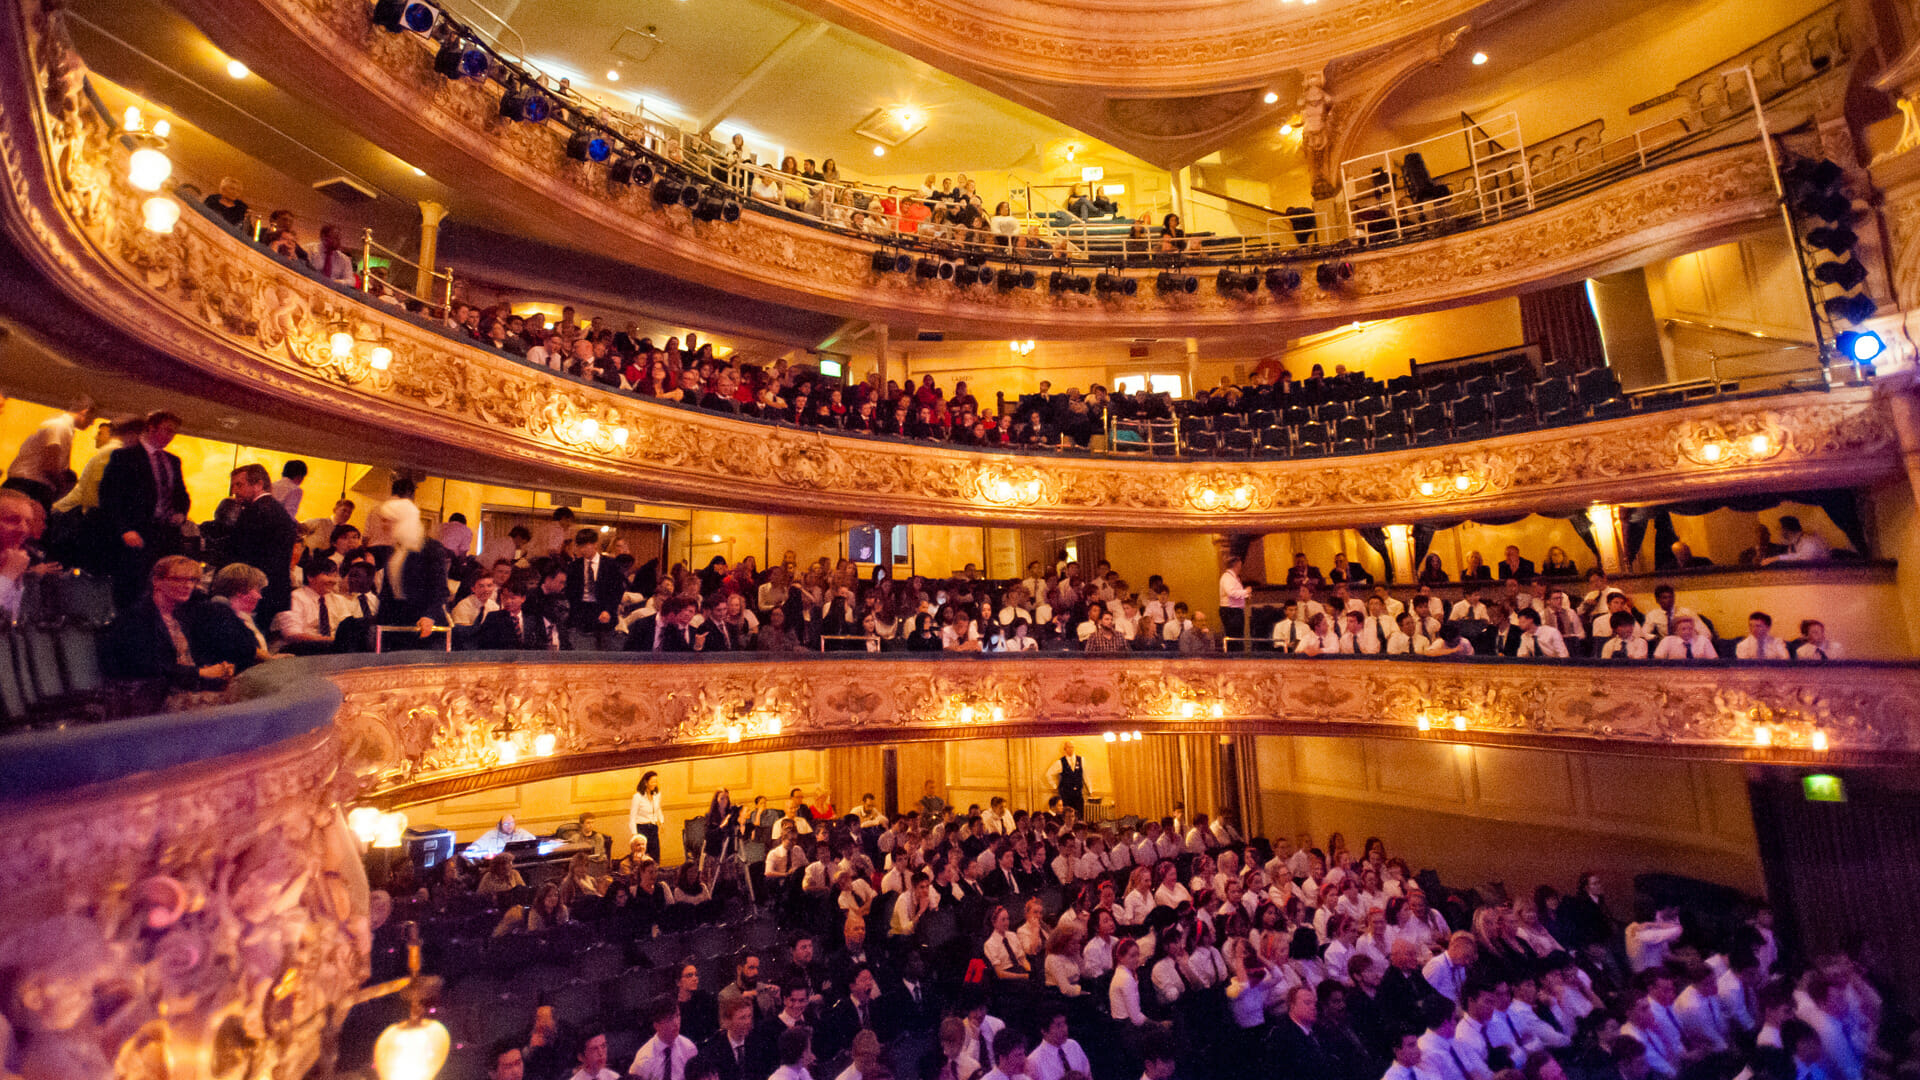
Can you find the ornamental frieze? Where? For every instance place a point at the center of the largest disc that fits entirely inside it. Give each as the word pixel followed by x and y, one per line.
pixel 412 729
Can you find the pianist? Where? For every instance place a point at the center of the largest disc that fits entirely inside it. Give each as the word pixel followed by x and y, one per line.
pixel 495 840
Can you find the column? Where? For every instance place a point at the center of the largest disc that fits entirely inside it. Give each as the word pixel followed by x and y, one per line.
pixel 1609 537
pixel 431 214
pixel 1906 424
pixel 880 349
pixel 1400 554
pixel 1193 366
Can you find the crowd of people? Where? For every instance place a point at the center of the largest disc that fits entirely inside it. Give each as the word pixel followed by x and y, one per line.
pixel 992 944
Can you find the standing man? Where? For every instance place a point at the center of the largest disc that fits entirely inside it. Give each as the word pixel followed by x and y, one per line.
pixel 143 501
pixel 264 538
pixel 47 454
pixel 1233 604
pixel 594 588
pixel 287 489
pixel 1068 778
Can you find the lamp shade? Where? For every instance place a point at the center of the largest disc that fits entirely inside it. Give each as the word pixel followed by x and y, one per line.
pixel 413 1050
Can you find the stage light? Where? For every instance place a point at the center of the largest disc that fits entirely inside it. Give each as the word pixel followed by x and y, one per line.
pixel 148 168
pixel 1856 308
pixel 459 59
pixel 1861 346
pixel 709 206
pixel 1833 238
pixel 926 269
pixel 1110 282
pixel 966 275
pixel 159 214
pixel 631 170
pixel 237 70
pixel 946 270
pixel 1230 281
pixel 882 262
pixel 690 196
pixel 667 189
pixel 1170 281
pixel 987 274
pixel 394 16
pixel 1028 279
pixel 1847 274
pixel 1065 281
pixel 525 104
pixel 729 211
pixel 1282 279
pixel 587 146
pixel 1330 275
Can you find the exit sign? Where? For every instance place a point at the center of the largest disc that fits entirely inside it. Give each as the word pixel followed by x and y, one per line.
pixel 1823 787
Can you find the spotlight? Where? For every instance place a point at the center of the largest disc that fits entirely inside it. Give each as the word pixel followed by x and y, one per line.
pixel 1172 282
pixel 691 196
pixel 882 262
pixel 927 269
pixel 524 104
pixel 1816 188
pixel 1330 275
pixel 1282 279
pixel 1861 346
pixel 1230 281
pixel 1847 275
pixel 1110 282
pixel 710 206
pixel 667 189
pixel 1065 281
pixel 987 274
pixel 632 171
pixel 1008 281
pixel 966 275
pixel 946 270
pixel 1029 279
pixel 587 146
pixel 729 211
pixel 394 16
pixel 1833 238
pixel 1856 308
pixel 458 59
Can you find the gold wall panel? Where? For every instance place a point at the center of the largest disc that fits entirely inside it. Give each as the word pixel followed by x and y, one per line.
pixel 1529 780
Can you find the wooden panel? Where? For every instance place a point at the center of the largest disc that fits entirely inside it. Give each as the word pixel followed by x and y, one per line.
pixel 607 785
pixel 1643 790
pixel 1539 780
pixel 1341 762
pixel 733 773
pixel 1729 805
pixel 1421 769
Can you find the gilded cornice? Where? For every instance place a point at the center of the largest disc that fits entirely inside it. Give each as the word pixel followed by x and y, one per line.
pixel 384 86
pixel 202 921
pixel 416 732
pixel 221 309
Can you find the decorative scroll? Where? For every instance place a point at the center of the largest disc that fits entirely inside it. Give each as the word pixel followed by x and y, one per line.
pixel 408 727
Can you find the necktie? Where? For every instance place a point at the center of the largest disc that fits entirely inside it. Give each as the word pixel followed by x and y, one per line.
pixel 588 593
pixel 740 1057
pixel 1459 1066
pixel 326 619
pixel 162 488
pixel 366 609
pixel 1820 651
pixel 519 630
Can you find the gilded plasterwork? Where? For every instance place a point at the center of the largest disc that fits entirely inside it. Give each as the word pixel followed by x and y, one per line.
pixel 410 726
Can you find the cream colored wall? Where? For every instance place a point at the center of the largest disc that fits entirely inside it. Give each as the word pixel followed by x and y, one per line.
pixel 685 786
pixel 1897 536
pixel 1381 349
pixel 1189 561
pixel 1320 546
pixel 1525 817
pixel 1749 287
pixel 1533 534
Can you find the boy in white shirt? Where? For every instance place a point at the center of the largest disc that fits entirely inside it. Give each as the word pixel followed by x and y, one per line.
pixel 1760 644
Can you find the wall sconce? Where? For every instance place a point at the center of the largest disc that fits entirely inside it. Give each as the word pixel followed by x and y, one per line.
pixel 160 214
pixel 1109 736
pixel 1762 735
pixel 148 169
pixel 1021 348
pixel 381 358
pixel 1423 722
pixel 733 733
pixel 1712 452
pixel 1450 479
pixel 506 751
pixel 1459 722
pixel 1009 486
pixel 340 342
pixel 415 1048
pixel 1228 493
pixel 544 744
pixel 1708 444
pixel 1818 741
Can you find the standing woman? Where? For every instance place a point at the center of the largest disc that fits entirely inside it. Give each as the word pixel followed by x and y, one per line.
pixel 644 816
pixel 723 828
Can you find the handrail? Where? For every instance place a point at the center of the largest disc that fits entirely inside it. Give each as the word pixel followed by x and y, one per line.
pixel 1741 333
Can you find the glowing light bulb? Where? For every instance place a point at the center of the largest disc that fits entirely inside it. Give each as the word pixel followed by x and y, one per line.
pixel 381 359
pixel 879 151
pixel 612 75
pixel 1762 735
pixel 966 714
pixel 364 822
pixel 1711 452
pixel 1426 487
pixel 1217 711
pixel 589 428
pixel 1187 710
pixel 544 744
pixel 1479 58
pixel 391 831
pixel 340 343
pixel 1820 741
pixel 160 214
pixel 1285 130
pixel 1760 444
pixel 1136 736
pixel 1109 736
pixel 162 128
pixel 1459 722
pixel 1423 722
pixel 775 725
pixel 1242 494
pixel 620 436
pixel 131 120
pixel 1462 482
pixel 237 70
pixel 733 733
pixel 148 168
pixel 413 1050
pixel 1271 97
pixel 999 715
pixel 506 751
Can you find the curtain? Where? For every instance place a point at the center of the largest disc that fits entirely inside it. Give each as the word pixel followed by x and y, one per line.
pixel 1584 527
pixel 1840 504
pixel 1560 320
pixel 1149 775
pixel 1375 537
pixel 1422 540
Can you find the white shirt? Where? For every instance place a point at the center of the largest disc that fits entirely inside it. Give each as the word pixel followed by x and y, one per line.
pixel 1463 610
pixel 1703 1018
pixel 644 809
pixel 1471 1043
pixel 471 610
pixel 1809 651
pixel 1648 942
pixel 1805 548
pixel 1397 1071
pixel 1445 977
pixel 493 842
pixel 1096 959
pixel 1750 648
pixel 1401 645
pixel 1123 998
pixel 1438 1054
pixel 54 434
pixel 1659 622
pixel 1050 1062
pixel 1635 647
pixel 1543 641
pixel 1662 1055
pixel 288 493
pixel 1676 647
pixel 304 616
pixel 657 1061
pixel 1232 593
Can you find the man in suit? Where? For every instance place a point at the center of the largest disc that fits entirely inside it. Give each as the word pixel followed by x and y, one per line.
pixel 1292 1050
pixel 264 538
pixel 143 501
pixel 594 587
pixel 1503 635
pixel 1515 567
pixel 417 600
pixel 859 1011
pixel 513 626
pixel 728 1047
pixel 1404 991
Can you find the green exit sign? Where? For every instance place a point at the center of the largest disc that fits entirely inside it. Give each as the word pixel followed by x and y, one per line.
pixel 1823 787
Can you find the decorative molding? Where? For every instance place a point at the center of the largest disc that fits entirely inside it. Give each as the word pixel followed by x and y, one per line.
pixel 416 732
pixel 521 170
pixel 203 921
pixel 222 309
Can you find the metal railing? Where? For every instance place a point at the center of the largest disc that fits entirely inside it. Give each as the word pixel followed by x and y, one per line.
pixel 368 246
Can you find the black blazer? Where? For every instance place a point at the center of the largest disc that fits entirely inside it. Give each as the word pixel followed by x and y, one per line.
pixel 496 631
pixel 608 586
pixel 640 639
pixel 1523 574
pixel 1291 1052
pixel 136 645
pixel 719 1049
pixel 219 634
pixel 127 492
pixel 263 538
